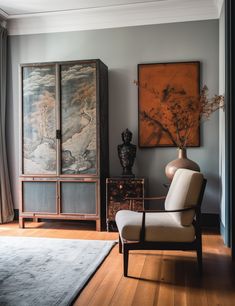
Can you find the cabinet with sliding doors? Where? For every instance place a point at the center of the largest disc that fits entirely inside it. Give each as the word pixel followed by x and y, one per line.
pixel 64 141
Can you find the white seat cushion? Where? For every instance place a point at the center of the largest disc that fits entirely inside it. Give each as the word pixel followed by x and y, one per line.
pixel 159 227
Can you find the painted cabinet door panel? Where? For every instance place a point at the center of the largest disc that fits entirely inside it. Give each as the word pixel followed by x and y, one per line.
pixel 78 118
pixel 39 120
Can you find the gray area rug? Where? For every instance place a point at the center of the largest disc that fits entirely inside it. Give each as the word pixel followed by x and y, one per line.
pixel 47 271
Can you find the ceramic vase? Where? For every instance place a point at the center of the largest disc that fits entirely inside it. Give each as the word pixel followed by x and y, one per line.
pixel 181 162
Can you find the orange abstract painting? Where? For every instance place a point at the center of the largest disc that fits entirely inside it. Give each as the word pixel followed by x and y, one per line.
pixel 168 104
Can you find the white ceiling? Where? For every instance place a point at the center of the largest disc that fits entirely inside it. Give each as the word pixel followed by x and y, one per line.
pixel 45 16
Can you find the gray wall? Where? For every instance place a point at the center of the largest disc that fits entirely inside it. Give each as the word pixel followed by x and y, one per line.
pixel 121 50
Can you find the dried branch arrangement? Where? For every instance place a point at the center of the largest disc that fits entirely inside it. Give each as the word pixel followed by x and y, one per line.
pixel 178 113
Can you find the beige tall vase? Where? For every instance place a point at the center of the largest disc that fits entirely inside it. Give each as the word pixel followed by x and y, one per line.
pixel 181 162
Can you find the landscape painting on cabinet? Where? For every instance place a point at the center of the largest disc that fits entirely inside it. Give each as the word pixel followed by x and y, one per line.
pixel 77 114
pixel 39 120
pixel 78 118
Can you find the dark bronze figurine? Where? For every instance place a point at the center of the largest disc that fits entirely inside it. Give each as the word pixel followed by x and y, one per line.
pixel 127 154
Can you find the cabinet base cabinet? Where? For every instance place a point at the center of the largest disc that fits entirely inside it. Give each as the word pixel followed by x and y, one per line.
pixel 36 219
pixel 61 200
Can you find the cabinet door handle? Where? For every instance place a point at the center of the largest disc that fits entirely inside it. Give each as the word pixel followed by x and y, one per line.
pixel 58 134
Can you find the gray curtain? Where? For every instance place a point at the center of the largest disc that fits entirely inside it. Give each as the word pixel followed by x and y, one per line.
pixel 6 204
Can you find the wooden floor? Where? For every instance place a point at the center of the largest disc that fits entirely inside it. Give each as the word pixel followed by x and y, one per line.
pixel 156 278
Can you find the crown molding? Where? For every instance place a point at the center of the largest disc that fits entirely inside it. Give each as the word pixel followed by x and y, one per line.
pixel 219 4
pixel 136 14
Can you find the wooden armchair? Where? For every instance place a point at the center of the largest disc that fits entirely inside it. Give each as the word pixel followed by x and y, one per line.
pixel 177 227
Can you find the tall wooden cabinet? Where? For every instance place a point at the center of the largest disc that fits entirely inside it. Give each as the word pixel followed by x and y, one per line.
pixel 64 141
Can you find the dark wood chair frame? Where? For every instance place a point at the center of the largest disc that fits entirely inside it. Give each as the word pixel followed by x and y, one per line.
pixel 196 245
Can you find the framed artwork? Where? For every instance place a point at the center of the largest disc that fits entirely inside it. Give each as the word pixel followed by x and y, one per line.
pixel 168 102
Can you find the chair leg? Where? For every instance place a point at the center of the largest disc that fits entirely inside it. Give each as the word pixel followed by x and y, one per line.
pixel 120 244
pixel 125 259
pixel 199 257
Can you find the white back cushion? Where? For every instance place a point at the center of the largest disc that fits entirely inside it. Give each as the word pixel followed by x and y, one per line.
pixel 184 192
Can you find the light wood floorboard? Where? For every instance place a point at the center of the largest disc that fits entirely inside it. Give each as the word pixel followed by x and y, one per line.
pixel 158 278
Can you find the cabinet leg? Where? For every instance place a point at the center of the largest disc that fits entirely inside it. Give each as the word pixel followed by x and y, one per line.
pixel 98 226
pixel 21 222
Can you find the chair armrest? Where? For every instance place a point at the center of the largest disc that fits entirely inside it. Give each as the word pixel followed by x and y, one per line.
pixel 167 211
pixel 149 198
pixel 142 230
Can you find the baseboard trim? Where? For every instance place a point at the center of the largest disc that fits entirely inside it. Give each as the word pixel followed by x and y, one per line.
pixel 210 221
pixel 222 229
pixel 224 234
